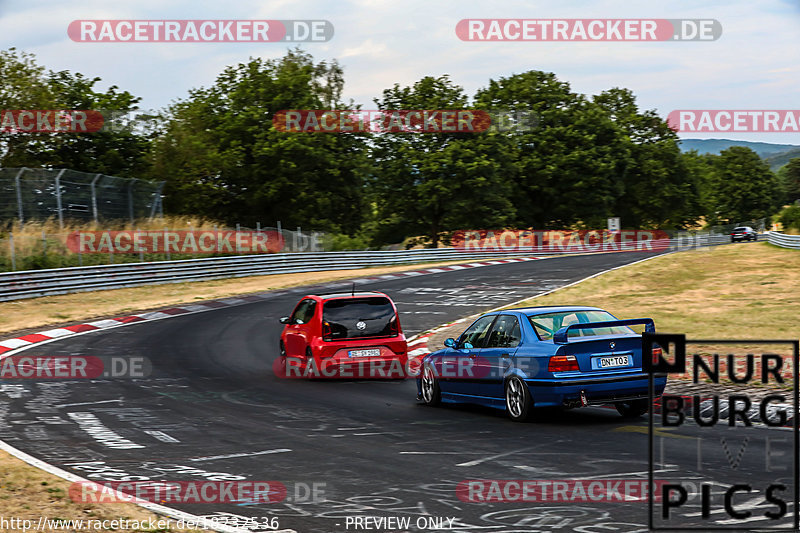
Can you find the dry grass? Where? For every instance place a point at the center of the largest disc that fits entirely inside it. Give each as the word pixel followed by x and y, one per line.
pixel 28 236
pixel 735 291
pixel 27 493
pixel 43 244
pixel 68 308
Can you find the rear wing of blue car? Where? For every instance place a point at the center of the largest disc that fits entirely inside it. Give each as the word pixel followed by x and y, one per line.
pixel 562 335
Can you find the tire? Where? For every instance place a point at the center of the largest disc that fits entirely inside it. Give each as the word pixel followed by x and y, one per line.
pixel 431 393
pixel 633 408
pixel 733 240
pixel 311 369
pixel 519 404
pixel 755 238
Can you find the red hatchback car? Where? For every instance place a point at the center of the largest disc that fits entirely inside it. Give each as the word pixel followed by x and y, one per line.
pixel 341 335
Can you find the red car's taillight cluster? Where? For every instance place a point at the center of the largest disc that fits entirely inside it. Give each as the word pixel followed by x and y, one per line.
pixel 327 332
pixel 563 363
pixel 394 327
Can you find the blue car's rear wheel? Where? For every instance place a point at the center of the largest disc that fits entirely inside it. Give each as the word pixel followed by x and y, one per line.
pixel 633 408
pixel 431 393
pixel 519 403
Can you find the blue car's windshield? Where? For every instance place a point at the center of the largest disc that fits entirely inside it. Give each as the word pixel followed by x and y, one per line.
pixel 547 324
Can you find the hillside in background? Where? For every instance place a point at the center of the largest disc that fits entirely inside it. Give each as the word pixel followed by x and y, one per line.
pixel 715 146
pixel 776 155
pixel 776 161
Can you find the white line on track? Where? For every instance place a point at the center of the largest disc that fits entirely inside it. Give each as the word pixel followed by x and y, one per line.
pixel 85 403
pixel 489 458
pixel 233 455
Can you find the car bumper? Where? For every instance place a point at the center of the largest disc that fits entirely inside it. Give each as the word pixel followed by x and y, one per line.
pixel 593 391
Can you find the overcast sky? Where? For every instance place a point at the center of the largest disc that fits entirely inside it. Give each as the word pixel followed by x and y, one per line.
pixel 754 65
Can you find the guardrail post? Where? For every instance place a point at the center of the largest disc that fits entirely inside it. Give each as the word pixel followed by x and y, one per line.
pixel 19 194
pixel 58 199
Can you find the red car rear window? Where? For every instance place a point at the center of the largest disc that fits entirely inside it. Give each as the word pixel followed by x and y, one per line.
pixel 350 318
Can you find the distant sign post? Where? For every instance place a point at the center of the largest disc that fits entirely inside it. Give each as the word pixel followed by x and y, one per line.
pixel 613 224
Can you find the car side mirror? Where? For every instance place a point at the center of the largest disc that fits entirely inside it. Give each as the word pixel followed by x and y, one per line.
pixel 450 343
pixel 284 320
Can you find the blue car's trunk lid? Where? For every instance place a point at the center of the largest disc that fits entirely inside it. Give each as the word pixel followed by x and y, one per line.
pixel 605 353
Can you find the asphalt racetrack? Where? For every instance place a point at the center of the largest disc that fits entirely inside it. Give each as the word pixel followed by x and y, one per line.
pixel 213 409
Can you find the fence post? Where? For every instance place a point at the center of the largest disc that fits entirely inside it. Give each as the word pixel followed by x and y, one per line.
pixel 11 246
pixel 19 194
pixel 94 198
pixel 238 248
pixel 157 202
pixel 44 244
pixel 130 198
pixel 169 256
pixel 141 253
pixel 58 199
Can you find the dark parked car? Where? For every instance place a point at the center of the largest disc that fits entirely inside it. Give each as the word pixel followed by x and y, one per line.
pixel 744 233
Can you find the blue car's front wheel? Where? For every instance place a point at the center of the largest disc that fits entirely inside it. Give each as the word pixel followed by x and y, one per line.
pixel 431 394
pixel 519 403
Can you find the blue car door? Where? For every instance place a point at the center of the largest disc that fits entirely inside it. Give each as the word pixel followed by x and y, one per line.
pixel 496 356
pixel 454 365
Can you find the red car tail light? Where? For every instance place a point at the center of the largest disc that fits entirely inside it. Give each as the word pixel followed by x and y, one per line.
pixel 327 332
pixel 563 363
pixel 394 327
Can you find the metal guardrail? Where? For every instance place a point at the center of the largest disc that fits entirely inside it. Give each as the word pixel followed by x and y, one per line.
pixel 35 283
pixel 784 241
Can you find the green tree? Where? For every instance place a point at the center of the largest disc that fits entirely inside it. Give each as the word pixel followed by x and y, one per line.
pixel 430 184
pixel 221 155
pixel 790 218
pixel 659 190
pixel 568 169
pixel 742 186
pixel 120 150
pixel 789 175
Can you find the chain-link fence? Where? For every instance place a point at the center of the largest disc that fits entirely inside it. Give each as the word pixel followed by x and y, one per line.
pixel 37 194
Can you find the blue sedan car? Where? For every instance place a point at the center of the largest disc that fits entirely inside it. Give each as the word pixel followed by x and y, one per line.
pixel 518 359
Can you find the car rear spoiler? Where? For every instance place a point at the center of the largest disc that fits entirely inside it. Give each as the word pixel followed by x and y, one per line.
pixel 562 335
